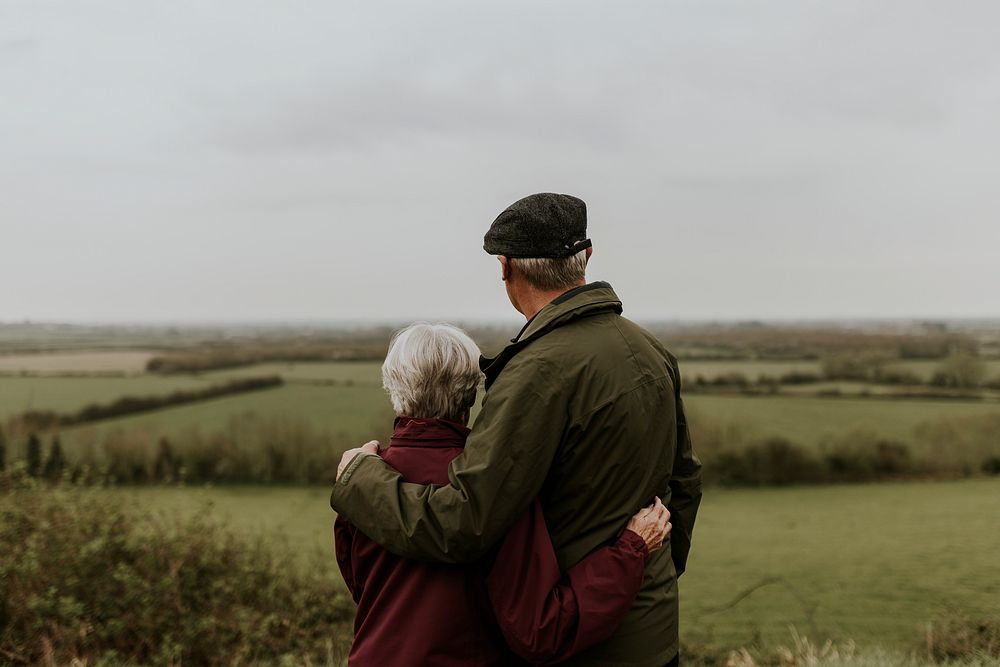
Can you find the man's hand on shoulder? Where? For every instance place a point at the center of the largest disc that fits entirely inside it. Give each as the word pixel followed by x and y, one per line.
pixel 370 447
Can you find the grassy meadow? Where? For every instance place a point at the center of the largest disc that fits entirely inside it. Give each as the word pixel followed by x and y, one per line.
pixel 811 420
pixel 868 563
pixel 753 368
pixel 345 398
pixel 65 394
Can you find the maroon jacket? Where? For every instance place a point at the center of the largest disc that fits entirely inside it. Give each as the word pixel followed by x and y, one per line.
pixel 414 613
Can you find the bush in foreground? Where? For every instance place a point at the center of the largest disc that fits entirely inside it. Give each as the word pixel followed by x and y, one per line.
pixel 956 642
pixel 82 578
pixel 961 637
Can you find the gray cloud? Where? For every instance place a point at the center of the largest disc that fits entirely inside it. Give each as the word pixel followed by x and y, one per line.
pixel 316 160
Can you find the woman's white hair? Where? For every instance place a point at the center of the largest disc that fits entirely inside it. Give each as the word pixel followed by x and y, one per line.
pixel 432 370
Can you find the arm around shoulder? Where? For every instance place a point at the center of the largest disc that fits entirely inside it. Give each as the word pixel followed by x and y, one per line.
pixel 502 469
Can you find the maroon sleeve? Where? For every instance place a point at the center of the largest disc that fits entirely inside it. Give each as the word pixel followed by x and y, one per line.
pixel 343 539
pixel 547 617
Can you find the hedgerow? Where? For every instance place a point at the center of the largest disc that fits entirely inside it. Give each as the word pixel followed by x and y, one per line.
pixel 83 578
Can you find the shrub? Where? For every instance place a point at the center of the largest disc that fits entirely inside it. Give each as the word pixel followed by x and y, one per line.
pixel 991 466
pixel 33 455
pixel 248 449
pixel 960 371
pixel 712 437
pixel 83 578
pixel 799 377
pixel 930 347
pixel 897 376
pixel 126 457
pixel 960 637
pixel 731 379
pixel 955 443
pixel 55 464
pixel 860 458
pixel 774 461
pixel 167 467
pixel 863 366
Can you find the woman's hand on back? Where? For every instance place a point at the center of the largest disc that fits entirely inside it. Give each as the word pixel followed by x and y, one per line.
pixel 652 524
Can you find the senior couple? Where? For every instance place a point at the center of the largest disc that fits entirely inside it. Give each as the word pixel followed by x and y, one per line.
pixel 542 535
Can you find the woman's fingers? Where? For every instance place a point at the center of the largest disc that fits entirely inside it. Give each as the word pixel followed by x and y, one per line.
pixel 652 524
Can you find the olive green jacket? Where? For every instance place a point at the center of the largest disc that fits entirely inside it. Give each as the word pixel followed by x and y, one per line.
pixel 582 410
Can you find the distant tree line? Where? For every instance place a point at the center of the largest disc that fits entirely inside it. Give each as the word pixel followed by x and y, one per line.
pixel 956 375
pixel 769 342
pixel 249 449
pixel 126 405
pixel 36 463
pixel 253 450
pixel 220 358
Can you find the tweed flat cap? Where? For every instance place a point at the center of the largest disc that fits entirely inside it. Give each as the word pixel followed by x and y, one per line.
pixel 541 225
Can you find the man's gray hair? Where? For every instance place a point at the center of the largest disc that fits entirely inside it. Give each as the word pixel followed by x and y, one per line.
pixel 552 274
pixel 432 370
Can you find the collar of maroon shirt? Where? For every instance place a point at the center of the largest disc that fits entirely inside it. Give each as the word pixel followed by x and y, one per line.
pixel 420 432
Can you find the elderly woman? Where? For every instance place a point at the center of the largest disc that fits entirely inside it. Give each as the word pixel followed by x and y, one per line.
pixel 412 613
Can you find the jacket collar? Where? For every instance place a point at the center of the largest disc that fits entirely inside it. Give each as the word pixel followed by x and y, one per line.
pixel 429 432
pixel 584 301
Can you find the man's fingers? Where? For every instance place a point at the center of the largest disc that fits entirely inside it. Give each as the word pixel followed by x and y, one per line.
pixel 370 447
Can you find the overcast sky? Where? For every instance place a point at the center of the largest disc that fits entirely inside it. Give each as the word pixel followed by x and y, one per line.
pixel 322 160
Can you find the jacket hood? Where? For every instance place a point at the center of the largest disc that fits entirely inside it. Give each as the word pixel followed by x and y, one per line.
pixel 585 301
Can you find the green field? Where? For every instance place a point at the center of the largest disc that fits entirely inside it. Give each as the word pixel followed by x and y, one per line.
pixel 343 411
pixel 810 420
pixel 346 400
pixel 752 369
pixel 359 373
pixel 925 368
pixel 66 394
pixel 870 563
pixel 120 361
pixel 362 411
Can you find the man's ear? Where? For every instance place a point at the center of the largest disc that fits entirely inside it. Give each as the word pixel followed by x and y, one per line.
pixel 589 251
pixel 504 268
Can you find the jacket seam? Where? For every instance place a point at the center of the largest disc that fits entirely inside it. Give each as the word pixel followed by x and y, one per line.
pixel 617 397
pixel 353 465
pixel 631 351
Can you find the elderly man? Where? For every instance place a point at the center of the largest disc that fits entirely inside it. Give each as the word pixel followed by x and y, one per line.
pixel 582 410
